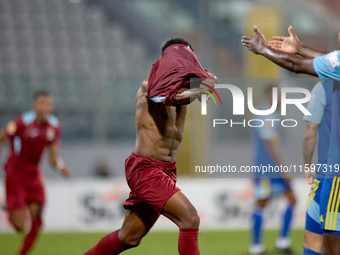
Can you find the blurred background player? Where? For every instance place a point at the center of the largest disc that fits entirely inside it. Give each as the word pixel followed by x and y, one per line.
pixel 29 134
pixel 317 124
pixel 291 54
pixel 270 185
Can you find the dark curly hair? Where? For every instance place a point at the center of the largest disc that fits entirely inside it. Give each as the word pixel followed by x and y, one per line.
pixel 173 41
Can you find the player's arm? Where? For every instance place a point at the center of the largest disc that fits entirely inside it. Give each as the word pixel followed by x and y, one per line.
pixel 289 61
pixel 310 136
pixel 186 96
pixel 292 44
pixel 56 161
pixel 3 138
pixel 316 107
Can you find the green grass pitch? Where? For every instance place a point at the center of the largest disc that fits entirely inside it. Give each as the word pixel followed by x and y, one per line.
pixel 155 243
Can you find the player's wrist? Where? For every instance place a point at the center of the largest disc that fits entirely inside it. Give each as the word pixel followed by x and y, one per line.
pixel 60 165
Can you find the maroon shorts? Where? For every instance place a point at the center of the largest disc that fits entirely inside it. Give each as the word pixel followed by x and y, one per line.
pixel 151 181
pixel 20 192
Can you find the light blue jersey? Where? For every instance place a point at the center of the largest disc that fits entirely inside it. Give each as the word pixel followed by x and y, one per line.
pixel 270 131
pixel 320 106
pixel 328 68
pixel 270 184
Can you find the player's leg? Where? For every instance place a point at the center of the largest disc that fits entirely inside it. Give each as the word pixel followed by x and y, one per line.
pixel 312 243
pixel 331 240
pixel 283 243
pixel 262 194
pixel 257 227
pixel 330 216
pixel 17 218
pixel 35 199
pixel 179 210
pixel 35 210
pixel 139 219
pixel 16 204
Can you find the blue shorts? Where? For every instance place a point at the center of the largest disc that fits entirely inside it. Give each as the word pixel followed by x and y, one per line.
pixel 266 188
pixel 313 207
pixel 329 205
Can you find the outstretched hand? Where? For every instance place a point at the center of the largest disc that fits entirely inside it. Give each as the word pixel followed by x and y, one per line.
pixel 254 43
pixel 66 172
pixel 289 44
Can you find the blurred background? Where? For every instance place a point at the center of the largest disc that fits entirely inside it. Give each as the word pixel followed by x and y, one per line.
pixel 93 55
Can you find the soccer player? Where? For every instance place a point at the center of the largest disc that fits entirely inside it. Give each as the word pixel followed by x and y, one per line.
pixel 161 105
pixel 28 135
pixel 291 54
pixel 270 185
pixel 317 125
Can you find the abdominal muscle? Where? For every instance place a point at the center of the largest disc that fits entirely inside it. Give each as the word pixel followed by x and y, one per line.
pixel 151 144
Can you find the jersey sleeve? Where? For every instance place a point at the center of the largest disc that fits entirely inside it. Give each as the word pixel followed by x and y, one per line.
pixel 57 136
pixel 327 67
pixel 15 127
pixel 316 106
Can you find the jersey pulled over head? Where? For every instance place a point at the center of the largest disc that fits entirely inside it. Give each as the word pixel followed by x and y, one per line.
pixel 173 71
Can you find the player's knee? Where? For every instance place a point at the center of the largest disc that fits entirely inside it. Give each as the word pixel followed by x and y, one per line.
pixel 306 243
pixel 17 226
pixel 312 241
pixel 191 220
pixel 132 241
pixel 292 201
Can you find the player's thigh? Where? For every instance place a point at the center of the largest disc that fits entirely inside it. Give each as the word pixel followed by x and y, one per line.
pixel 35 210
pixel 138 221
pixel 262 202
pixel 179 209
pixel 331 244
pixel 17 218
pixel 289 194
pixel 312 241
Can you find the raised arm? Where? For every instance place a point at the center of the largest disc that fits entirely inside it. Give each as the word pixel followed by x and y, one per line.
pixel 186 95
pixel 56 161
pixel 289 61
pixel 292 44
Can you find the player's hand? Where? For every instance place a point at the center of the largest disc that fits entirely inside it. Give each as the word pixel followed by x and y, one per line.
pixel 254 43
pixel 309 175
pixel 66 171
pixel 289 44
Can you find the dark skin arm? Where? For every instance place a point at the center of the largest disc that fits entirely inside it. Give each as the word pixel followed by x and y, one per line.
pixel 310 137
pixel 289 61
pixel 292 44
pixel 186 96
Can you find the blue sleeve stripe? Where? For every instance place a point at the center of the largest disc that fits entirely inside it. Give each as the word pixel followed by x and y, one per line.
pixel 157 99
pixel 28 117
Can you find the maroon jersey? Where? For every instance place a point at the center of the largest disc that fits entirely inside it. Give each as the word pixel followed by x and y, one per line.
pixel 28 140
pixel 173 71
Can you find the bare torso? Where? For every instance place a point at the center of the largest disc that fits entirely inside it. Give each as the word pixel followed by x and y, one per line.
pixel 159 127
